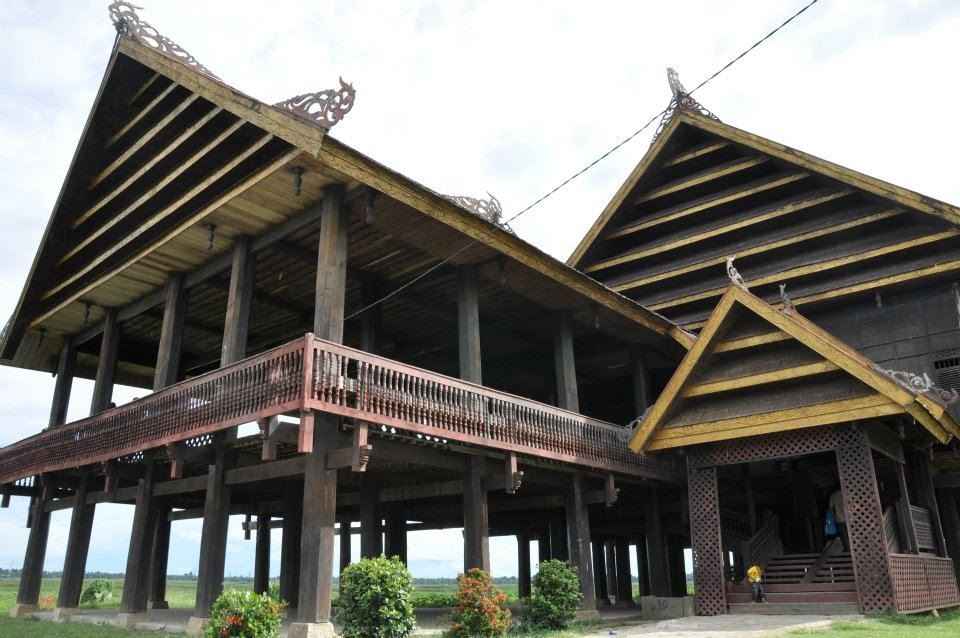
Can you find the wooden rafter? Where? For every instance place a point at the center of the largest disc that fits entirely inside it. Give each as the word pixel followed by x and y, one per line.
pixel 702 177
pixel 142 113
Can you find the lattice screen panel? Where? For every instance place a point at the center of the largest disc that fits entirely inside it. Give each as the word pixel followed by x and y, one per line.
pixel 764 448
pixel 706 542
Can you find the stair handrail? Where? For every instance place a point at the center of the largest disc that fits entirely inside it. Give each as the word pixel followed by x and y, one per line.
pixel 765 544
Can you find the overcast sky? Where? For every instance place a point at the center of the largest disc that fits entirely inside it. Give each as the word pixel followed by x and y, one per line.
pixel 470 97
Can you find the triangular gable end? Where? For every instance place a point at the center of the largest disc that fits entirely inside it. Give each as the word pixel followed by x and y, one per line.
pixel 689 136
pixel 756 370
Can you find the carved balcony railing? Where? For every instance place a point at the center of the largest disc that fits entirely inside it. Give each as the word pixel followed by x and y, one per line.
pixel 313 374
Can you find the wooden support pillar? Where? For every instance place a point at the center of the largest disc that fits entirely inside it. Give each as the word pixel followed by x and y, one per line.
pixel 476 520
pixel 468 324
pixel 624 577
pixel 928 496
pixel 706 541
pixel 543 546
pixel 578 541
pixel 106 364
pixel 371 536
pixel 396 535
pixel 643 571
pixel 236 323
pixel 213 539
pixel 610 561
pixel 261 560
pixel 31 576
pixel 78 546
pixel 290 545
pixel 657 566
pixel 136 582
pixel 601 580
pixel 868 549
pixel 565 366
pixel 641 382
pixel 947 498
pixel 171 333
pixel 319 483
pixel 346 544
pixel 523 565
pixel 64 383
pixel 908 531
pixel 678 572
pixel 559 546
pixel 159 557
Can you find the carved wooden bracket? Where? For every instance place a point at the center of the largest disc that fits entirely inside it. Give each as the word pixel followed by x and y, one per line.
pixel 112 474
pixel 610 491
pixel 176 457
pixel 357 456
pixel 512 475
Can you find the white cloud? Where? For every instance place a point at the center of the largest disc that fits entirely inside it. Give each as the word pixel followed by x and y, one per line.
pixel 469 97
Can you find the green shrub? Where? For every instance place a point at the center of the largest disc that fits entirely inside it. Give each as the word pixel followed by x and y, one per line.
pixel 434 599
pixel 481 609
pixel 246 615
pixel 273 591
pixel 97 592
pixel 375 599
pixel 555 596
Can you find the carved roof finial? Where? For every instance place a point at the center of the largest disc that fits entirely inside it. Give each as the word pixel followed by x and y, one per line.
pixel 734 274
pixel 681 100
pixel 788 306
pixel 325 108
pixel 921 383
pixel 128 24
pixel 488 209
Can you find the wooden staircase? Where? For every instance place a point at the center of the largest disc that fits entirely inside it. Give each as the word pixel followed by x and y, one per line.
pixel 821 584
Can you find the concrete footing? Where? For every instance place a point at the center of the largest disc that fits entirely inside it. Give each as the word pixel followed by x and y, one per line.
pixel 127 620
pixel 196 625
pixel 311 630
pixel 661 608
pixel 160 604
pixel 63 614
pixel 21 610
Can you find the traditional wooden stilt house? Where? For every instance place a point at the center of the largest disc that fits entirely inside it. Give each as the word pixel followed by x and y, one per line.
pixel 243 266
pixel 825 363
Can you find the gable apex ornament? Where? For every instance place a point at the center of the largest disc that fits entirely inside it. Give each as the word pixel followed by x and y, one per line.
pixel 128 24
pixel 325 108
pixel 680 100
pixel 488 209
pixel 787 302
pixel 735 278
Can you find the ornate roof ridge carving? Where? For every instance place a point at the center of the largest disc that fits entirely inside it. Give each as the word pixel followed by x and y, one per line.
pixel 488 209
pixel 680 101
pixel 325 108
pixel 921 384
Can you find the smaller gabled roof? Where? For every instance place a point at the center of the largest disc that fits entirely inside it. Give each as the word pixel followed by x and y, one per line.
pixel 765 147
pixel 756 369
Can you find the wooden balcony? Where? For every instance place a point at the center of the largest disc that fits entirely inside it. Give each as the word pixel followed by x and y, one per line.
pixel 313 374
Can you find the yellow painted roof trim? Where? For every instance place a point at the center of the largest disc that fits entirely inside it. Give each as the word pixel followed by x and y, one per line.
pixel 911 199
pixel 929 413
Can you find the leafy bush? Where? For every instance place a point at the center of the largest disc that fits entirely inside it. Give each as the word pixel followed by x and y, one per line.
pixel 273 591
pixel 97 592
pixel 481 609
pixel 434 599
pixel 246 615
pixel 375 599
pixel 555 596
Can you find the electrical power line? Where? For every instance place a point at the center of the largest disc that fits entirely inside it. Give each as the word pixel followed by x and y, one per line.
pixel 586 168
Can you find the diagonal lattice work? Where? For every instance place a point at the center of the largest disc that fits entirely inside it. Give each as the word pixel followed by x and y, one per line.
pixel 770 447
pixel 861 499
pixel 706 541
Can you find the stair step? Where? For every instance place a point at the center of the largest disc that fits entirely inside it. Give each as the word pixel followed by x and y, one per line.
pixel 782 609
pixel 796 597
pixel 796 587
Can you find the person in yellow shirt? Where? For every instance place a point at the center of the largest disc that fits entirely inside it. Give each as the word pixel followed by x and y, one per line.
pixel 755 576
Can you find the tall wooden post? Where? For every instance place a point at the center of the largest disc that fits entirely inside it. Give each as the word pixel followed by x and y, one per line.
pixel 643 571
pixel 320 483
pixel 136 581
pixel 346 544
pixel 371 319
pixel 290 545
pixel 565 367
pixel 171 333
pixel 578 541
pixel 543 546
pixel 106 364
pixel 64 383
pixel 468 323
pixel 158 562
pixel 559 546
pixel 678 572
pixel 523 564
pixel 31 577
pixel 396 535
pixel 78 546
pixel 600 579
pixel 371 536
pixel 657 567
pixel 236 324
pixel 624 578
pixel 261 561
pixel 641 383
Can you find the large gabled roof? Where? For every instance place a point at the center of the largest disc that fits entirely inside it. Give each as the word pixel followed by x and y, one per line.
pixel 756 369
pixel 805 161
pixel 262 140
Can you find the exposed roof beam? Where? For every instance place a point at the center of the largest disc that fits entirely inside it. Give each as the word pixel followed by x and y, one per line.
pixel 702 177
pixel 774 376
pixel 697 151
pixel 141 114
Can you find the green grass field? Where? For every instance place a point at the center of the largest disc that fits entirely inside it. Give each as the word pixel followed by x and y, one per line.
pixel 916 626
